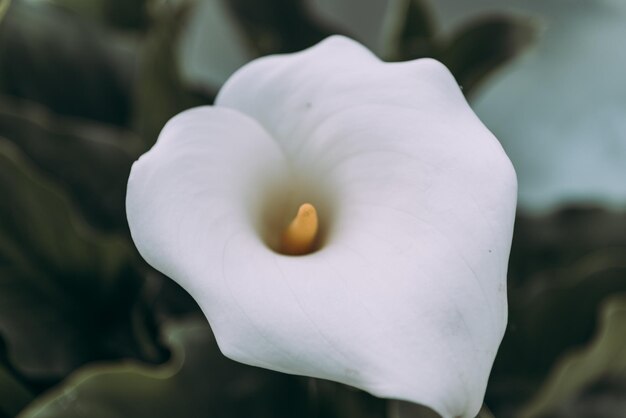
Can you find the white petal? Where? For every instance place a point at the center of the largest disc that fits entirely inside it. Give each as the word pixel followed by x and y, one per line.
pixel 204 181
pixel 407 297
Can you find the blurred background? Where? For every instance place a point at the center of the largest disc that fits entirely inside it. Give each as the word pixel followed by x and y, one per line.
pixel 87 329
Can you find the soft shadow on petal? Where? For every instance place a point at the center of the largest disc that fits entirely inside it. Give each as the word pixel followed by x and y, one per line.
pixel 211 174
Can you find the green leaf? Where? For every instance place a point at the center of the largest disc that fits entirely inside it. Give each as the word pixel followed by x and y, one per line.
pixel 410 32
pixel 333 400
pixel 562 267
pixel 4 7
pixel 472 52
pixel 554 312
pixel 605 356
pixel 550 242
pixel 402 409
pixel 246 29
pixel 602 398
pixel 52 57
pixel 160 92
pixel 91 161
pixel 558 308
pixel 68 294
pixel 119 14
pixel 279 26
pixel 482 46
pixel 14 395
pixel 196 382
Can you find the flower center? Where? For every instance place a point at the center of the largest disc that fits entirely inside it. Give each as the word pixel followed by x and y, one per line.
pixel 276 200
pixel 300 236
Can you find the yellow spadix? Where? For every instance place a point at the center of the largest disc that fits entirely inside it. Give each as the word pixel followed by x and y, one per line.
pixel 299 237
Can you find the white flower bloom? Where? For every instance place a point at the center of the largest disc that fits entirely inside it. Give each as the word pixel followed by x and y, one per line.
pixel 405 295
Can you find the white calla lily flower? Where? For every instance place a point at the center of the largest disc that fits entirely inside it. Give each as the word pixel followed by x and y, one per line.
pixel 401 290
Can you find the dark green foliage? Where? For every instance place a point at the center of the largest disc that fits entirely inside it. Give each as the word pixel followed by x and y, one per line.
pixel 14 394
pixel 160 92
pixel 414 34
pixel 68 294
pixel 563 267
pixel 128 15
pixel 52 57
pixel 278 26
pixel 90 161
pixel 471 52
pixel 481 47
pixel 587 381
pixel 196 382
